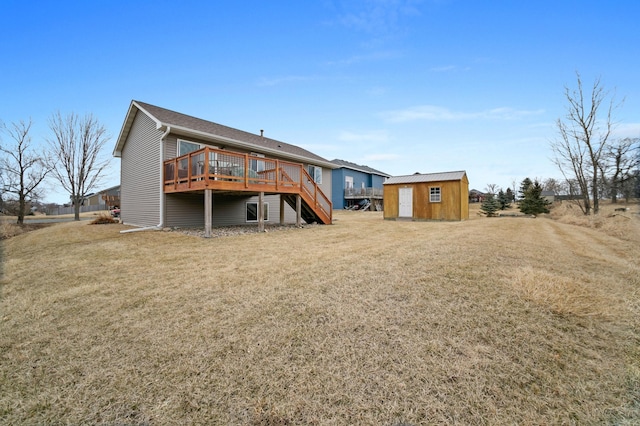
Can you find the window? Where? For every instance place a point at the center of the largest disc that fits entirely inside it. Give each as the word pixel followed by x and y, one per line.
pixel 185 147
pixel 434 194
pixel 256 165
pixel 316 174
pixel 348 182
pixel 252 212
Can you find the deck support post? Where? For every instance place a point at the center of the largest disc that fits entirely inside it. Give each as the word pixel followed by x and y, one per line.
pixel 261 212
pixel 208 212
pixel 298 210
pixel 281 209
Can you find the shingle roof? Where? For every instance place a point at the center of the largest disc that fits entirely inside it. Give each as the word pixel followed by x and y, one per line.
pixel 182 123
pixel 354 166
pixel 428 177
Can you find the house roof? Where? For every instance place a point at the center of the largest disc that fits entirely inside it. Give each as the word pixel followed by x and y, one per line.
pixel 354 166
pixel 427 177
pixel 186 125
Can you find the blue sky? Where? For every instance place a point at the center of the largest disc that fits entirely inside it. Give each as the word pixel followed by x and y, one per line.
pixel 403 86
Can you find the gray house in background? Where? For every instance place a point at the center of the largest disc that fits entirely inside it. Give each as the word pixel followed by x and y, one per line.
pixel 549 196
pixel 182 171
pixel 356 186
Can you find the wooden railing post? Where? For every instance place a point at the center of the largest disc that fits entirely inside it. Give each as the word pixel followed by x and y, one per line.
pixel 205 165
pixel 246 170
pixel 175 173
pixel 277 174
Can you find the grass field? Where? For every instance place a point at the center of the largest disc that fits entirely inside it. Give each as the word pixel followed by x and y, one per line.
pixel 373 322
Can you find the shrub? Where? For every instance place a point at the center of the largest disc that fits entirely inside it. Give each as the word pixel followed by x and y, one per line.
pixel 104 219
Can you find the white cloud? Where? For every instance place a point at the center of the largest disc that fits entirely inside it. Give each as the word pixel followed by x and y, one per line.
pixel 436 113
pixel 444 68
pixel 373 136
pixel 381 157
pixel 627 130
pixel 370 57
pixel 376 16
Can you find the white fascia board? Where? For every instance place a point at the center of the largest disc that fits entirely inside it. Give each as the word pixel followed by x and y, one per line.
pixel 126 126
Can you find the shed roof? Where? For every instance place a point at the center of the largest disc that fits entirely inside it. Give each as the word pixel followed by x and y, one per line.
pixel 187 125
pixel 426 177
pixel 354 166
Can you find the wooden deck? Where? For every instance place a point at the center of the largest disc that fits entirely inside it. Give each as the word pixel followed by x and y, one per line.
pixel 222 170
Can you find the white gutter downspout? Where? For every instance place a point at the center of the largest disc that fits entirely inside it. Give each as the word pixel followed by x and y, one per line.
pixel 162 203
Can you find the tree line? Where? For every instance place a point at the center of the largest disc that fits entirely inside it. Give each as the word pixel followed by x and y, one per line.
pixel 530 199
pixel 71 155
pixel 593 163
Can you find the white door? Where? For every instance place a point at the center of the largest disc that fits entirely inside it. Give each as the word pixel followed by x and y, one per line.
pixel 405 202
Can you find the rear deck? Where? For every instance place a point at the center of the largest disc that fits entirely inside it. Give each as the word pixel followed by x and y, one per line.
pixel 212 169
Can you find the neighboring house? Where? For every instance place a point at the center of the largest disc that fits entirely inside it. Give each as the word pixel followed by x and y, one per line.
pixel 182 171
pixel 549 196
pixel 356 185
pixel 107 198
pixel 433 196
pixel 476 196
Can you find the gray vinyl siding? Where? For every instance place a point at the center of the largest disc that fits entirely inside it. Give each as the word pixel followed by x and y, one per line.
pixel 326 186
pixel 140 174
pixel 187 210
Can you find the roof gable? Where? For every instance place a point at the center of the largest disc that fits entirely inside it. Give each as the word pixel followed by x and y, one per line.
pixel 427 177
pixel 187 125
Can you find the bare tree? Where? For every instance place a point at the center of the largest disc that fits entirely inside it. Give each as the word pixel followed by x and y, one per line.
pixel 75 154
pixel 551 184
pixel 619 165
pixel 23 169
pixel 492 188
pixel 584 136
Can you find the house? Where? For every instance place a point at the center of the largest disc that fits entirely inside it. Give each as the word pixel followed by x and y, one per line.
pixel 107 198
pixel 432 196
pixel 355 185
pixel 548 196
pixel 182 171
pixel 476 196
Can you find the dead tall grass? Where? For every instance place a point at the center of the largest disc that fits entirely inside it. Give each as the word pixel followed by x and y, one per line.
pixel 620 224
pixel 488 321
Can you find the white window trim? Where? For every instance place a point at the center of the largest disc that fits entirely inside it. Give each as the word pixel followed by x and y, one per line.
pixel 348 182
pixel 186 141
pixel 266 211
pixel 317 173
pixel 433 195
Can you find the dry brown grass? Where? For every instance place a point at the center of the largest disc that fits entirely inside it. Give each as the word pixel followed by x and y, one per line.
pixel 488 321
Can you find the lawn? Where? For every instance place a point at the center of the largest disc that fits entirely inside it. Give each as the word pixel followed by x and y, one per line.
pixel 373 322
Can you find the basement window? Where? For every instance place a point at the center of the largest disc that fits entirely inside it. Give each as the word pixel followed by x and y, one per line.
pixel 434 194
pixel 252 212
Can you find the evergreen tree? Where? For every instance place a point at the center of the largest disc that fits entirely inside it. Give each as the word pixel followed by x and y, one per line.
pixel 524 186
pixel 504 199
pixel 510 196
pixel 532 201
pixel 490 205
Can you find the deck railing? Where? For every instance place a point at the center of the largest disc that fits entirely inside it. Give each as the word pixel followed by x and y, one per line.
pixel 211 168
pixel 363 192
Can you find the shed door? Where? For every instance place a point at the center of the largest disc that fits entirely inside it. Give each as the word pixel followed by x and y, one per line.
pixel 405 202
